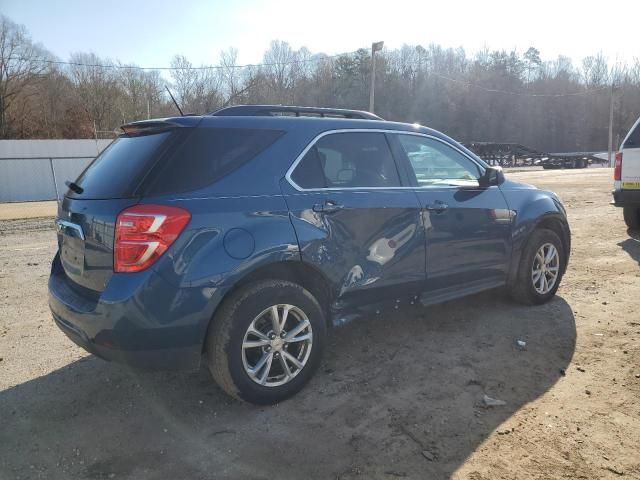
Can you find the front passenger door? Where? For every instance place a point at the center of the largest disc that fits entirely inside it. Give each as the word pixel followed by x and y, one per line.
pixel 467 227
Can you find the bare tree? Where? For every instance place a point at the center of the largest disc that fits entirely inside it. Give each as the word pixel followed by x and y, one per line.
pixel 21 67
pixel 97 90
pixel 197 89
pixel 231 75
pixel 184 80
pixel 595 71
pixel 494 95
pixel 280 72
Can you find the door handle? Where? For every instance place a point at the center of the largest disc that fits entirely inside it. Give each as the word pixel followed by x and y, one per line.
pixel 437 207
pixel 328 206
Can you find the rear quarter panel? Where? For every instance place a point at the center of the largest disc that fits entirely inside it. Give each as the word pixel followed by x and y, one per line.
pixel 227 238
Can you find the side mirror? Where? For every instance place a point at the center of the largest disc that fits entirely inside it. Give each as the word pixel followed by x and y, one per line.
pixel 492 176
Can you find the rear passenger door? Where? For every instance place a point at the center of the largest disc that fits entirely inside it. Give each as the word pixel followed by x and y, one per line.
pixel 467 227
pixel 356 218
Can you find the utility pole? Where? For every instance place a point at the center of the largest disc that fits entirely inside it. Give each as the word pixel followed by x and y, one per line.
pixel 95 134
pixel 610 154
pixel 375 47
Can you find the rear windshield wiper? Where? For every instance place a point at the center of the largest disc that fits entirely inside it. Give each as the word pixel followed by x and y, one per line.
pixel 74 186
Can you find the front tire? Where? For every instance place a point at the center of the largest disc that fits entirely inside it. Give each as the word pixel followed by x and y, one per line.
pixel 540 269
pixel 266 341
pixel 632 217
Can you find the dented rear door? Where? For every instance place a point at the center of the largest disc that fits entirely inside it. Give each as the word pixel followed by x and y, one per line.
pixel 369 241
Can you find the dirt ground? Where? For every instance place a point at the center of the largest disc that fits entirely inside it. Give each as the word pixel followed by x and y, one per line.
pixel 22 210
pixel 398 396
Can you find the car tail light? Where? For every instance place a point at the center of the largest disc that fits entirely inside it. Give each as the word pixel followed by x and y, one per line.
pixel 617 167
pixel 143 234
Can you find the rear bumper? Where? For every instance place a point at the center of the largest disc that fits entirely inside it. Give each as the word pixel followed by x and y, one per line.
pixel 165 359
pixel 625 197
pixel 138 320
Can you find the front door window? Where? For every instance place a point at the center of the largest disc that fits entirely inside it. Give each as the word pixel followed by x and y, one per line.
pixel 435 163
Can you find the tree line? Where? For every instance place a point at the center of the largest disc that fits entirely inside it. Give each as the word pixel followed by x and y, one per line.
pixel 493 95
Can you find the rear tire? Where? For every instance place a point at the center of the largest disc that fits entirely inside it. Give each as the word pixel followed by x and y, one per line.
pixel 246 319
pixel 632 217
pixel 528 288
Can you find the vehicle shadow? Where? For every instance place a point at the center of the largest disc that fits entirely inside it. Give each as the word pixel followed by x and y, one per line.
pixel 400 395
pixel 632 245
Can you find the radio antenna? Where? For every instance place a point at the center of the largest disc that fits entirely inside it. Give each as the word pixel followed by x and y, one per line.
pixel 174 101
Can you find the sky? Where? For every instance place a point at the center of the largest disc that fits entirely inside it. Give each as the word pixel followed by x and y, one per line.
pixel 150 33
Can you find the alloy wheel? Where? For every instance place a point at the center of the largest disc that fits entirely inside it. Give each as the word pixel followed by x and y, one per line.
pixel 277 345
pixel 545 269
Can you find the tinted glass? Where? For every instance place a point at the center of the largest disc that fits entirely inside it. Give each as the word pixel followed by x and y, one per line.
pixel 634 139
pixel 116 172
pixel 205 156
pixel 308 173
pixel 435 163
pixel 348 160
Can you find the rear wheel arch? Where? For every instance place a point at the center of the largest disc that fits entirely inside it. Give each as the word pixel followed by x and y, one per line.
pixel 295 271
pixel 305 275
pixel 271 366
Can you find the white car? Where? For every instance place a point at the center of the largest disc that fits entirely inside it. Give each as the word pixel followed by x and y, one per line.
pixel 626 193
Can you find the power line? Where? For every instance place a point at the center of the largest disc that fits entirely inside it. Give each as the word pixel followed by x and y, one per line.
pixel 311 60
pixel 203 67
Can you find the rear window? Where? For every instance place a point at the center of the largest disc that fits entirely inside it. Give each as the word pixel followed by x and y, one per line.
pixel 180 160
pixel 205 156
pixel 633 140
pixel 117 171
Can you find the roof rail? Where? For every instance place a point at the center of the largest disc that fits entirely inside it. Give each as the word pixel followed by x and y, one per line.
pixel 284 110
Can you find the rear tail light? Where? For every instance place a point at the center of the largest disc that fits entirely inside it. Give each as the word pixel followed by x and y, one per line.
pixel 144 233
pixel 617 167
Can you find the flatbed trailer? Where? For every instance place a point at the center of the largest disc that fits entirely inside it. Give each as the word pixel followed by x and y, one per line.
pixel 517 155
pixel 571 160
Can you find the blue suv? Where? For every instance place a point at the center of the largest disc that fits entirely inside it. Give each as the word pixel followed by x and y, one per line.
pixel 244 234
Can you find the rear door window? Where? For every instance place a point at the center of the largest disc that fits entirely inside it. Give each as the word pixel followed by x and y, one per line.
pixel 348 160
pixel 205 156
